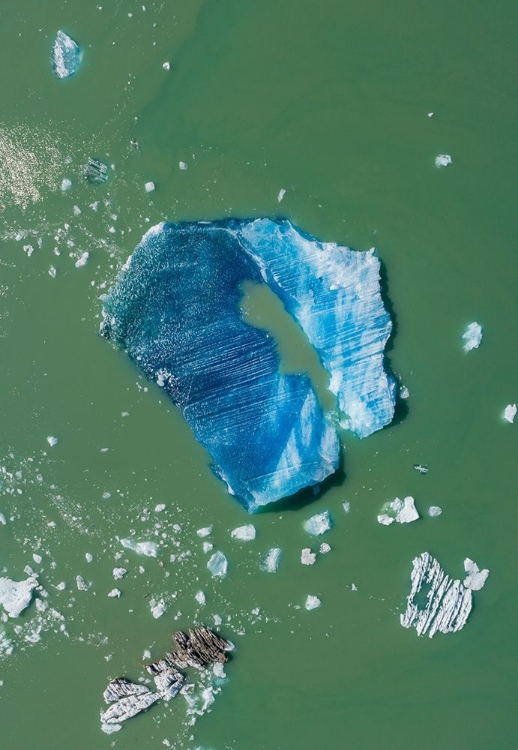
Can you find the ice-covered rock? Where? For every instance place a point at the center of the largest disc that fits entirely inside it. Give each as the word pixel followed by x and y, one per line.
pixel 307 557
pixel 510 413
pixel 312 602
pixel 319 523
pixel 183 283
pixel 15 596
pixel 476 578
pixel 244 533
pixel 436 602
pixel 67 55
pixel 218 565
pixel 472 337
pixel 400 511
pixel 434 511
pixel 443 160
pixel 270 562
pixel 148 549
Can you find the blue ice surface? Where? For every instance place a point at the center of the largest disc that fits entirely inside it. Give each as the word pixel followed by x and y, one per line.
pixel 66 55
pixel 175 310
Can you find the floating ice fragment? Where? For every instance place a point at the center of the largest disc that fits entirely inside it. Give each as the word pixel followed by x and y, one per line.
pixel 52 272
pixel 434 511
pixel 37 558
pixel 476 578
pixel 224 373
pixel 443 160
pixel 82 260
pixel 66 55
pixel 110 728
pixel 96 172
pixel 207 546
pixel 319 523
pixel 149 187
pixel 347 507
pixel 472 337
pixel 354 587
pixel 404 393
pixel 119 573
pixel 66 185
pixel 89 557
pixel 510 413
pixel 52 441
pixel 128 699
pixel 270 562
pixel 400 511
pixel 115 594
pixel 282 193
pixel 182 165
pixel 206 531
pixel 3 519
pixel 307 557
pixel 15 596
pixel 421 468
pixel 157 608
pixel 218 565
pixel 200 598
pixel 166 66
pixel 325 548
pixel 81 584
pixel 159 508
pixel 312 602
pixel 244 533
pixel 447 604
pixel 430 114
pixel 149 549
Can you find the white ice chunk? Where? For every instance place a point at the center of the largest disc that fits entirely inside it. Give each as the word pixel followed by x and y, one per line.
pixel 271 560
pixel 119 573
pixel 115 594
pixel 312 602
pixel 207 547
pixel 206 531
pixel 81 584
pixel 15 596
pixel 434 511
pixel 244 533
pixel 282 193
pixel 66 184
pixel 159 508
pixel 472 337
pixel 443 160
pixel 347 507
pixel 157 607
pixel 148 549
pixel 149 187
pixel 89 557
pixel 404 392
pixel 200 598
pixel 218 565
pixel 3 519
pixel 52 441
pixel 510 413
pixel 319 523
pixel 182 165
pixel 400 511
pixel 325 548
pixel 82 260
pixel 66 55
pixel 307 557
pixel 166 66
pixel 476 578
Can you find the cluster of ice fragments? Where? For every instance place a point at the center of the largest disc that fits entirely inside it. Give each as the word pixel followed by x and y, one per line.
pixel 436 602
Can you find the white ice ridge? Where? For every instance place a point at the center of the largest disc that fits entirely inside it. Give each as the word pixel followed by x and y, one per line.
pixel 472 337
pixel 448 602
pixel 400 511
pixel 334 293
pixel 66 55
pixel 15 596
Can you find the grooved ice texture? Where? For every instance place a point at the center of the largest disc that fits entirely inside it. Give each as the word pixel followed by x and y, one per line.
pixel 175 310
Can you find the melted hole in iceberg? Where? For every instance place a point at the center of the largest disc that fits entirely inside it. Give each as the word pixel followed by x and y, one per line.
pixel 262 309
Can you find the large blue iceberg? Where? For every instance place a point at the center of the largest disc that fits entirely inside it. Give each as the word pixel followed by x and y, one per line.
pixel 175 310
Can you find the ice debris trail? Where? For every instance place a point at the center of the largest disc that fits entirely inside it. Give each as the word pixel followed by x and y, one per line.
pixel 448 602
pixel 66 54
pixel 175 310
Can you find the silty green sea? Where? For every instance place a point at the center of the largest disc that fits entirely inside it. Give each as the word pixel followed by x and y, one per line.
pixel 332 102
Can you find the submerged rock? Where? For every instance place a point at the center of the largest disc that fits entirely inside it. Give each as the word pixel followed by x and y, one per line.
pixel 67 55
pixel 175 310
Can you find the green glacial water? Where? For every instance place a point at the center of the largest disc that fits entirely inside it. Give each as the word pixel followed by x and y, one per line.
pixel 329 101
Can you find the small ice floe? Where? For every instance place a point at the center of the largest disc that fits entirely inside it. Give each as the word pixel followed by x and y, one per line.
pixel 52 441
pixel 244 533
pixel 421 468
pixel 430 114
pixel 148 549
pixel 434 511
pixel 157 607
pixel 510 413
pixel 166 66
pixel 448 602
pixel 66 184
pixel 270 562
pixel 354 587
pixel 37 558
pixel 207 531
pixel 400 511
pixel 128 699
pixel 207 547
pixel 472 337
pixel 15 596
pixel 96 171
pixel 115 594
pixel 218 565
pixel 81 584
pixel 67 55
pixel 443 160
pixel 119 573
pixel 318 524
pixel 3 519
pixel 347 507
pixel 404 393
pixel 312 602
pixel 159 508
pixel 307 557
pixel 52 272
pixel 82 260
pixel 182 165
pixel 149 187
pixel 282 193
pixel 476 578
pixel 324 548
pixel 200 598
pixel 89 557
